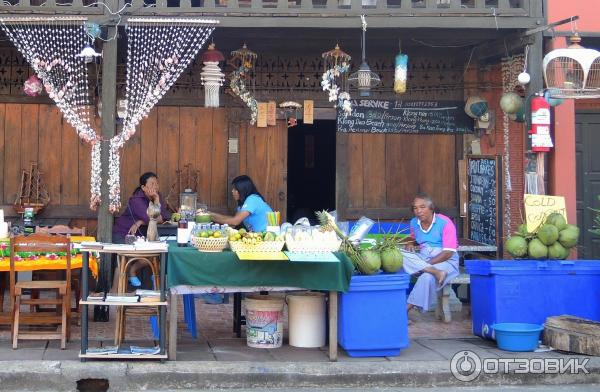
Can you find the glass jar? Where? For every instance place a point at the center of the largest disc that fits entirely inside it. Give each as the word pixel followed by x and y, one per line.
pixel 187 203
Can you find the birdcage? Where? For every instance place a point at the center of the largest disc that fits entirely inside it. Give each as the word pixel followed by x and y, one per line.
pixel 573 72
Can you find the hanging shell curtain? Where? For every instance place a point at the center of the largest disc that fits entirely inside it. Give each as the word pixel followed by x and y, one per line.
pixel 158 51
pixel 50 45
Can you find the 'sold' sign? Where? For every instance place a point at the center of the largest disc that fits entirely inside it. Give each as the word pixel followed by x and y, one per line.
pixel 538 207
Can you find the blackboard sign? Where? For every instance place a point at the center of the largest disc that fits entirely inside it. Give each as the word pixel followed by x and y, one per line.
pixel 376 116
pixel 484 199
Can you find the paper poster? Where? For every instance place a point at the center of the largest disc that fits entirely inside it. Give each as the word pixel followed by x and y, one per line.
pixel 261 120
pixel 308 111
pixel 271 113
pixel 538 207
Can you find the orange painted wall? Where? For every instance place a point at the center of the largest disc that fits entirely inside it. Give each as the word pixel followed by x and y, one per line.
pixel 587 10
pixel 563 169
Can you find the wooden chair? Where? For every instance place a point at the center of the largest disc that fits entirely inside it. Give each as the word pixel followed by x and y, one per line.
pixel 41 243
pixel 63 230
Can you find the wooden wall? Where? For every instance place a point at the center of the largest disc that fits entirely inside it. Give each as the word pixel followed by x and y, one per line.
pixel 168 139
pixel 38 133
pixel 172 137
pixel 382 173
pixel 378 175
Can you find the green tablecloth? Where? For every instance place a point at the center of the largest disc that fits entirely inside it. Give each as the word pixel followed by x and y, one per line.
pixel 188 266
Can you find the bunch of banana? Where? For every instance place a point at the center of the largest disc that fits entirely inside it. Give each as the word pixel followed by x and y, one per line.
pixel 252 238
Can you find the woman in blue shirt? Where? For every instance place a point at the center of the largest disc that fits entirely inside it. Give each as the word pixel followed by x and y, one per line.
pixel 252 208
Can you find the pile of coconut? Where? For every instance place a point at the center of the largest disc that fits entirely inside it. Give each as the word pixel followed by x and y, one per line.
pixel 553 239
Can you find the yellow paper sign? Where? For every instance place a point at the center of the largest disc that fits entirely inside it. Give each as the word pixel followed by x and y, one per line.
pixel 308 111
pixel 538 207
pixel 261 120
pixel 272 113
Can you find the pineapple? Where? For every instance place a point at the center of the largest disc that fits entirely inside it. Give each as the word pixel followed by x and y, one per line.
pixel 327 221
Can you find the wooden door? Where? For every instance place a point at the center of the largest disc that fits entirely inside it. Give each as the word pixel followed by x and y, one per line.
pixel 378 175
pixel 263 157
pixel 588 181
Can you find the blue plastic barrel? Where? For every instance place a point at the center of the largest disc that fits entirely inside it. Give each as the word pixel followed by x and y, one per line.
pixel 529 291
pixel 372 320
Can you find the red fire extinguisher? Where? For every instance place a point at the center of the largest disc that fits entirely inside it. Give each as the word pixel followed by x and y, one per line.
pixel 540 125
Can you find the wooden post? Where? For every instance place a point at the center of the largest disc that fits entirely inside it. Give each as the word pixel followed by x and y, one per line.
pixel 109 98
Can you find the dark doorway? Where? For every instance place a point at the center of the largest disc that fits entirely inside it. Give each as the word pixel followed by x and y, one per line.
pixel 588 181
pixel 311 169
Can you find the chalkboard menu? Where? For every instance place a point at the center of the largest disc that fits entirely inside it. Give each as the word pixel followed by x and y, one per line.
pixel 376 116
pixel 484 199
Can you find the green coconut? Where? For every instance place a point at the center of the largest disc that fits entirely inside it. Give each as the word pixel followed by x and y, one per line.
pixel 391 260
pixel 372 260
pixel 537 250
pixel 568 236
pixel 548 234
pixel 557 220
pixel 522 230
pixel 557 251
pixel 516 246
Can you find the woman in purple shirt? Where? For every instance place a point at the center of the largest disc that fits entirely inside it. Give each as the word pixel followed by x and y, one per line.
pixel 134 219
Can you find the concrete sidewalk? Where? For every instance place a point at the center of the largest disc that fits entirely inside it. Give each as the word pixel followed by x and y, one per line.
pixel 229 363
pixel 217 359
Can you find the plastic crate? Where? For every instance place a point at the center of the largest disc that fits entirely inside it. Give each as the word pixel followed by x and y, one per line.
pixel 529 291
pixel 372 320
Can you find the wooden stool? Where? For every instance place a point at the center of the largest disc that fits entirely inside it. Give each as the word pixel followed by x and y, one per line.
pixel 125 261
pixel 442 310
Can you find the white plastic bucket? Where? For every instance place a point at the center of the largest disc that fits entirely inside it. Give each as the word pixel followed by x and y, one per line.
pixel 306 315
pixel 264 321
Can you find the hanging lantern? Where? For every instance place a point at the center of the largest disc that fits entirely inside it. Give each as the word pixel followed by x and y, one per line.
pixel 291 109
pixel 335 77
pixel 364 79
pixel 573 72
pixel 211 76
pixel 511 103
pixel 33 86
pixel 400 73
pixel 243 60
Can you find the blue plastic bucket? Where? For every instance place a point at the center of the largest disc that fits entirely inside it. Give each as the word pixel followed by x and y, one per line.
pixel 517 336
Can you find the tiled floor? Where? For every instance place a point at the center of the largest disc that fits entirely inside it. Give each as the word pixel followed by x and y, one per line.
pixel 216 340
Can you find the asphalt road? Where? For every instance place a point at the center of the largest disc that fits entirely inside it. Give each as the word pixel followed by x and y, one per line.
pixel 540 388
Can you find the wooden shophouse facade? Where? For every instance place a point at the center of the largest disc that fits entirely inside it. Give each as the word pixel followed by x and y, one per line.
pixel 454 49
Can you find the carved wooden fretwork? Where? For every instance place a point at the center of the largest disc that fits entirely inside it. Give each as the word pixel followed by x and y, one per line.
pixel 281 78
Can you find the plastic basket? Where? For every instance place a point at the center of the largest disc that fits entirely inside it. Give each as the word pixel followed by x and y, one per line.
pixel 313 246
pixel 209 244
pixel 265 246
